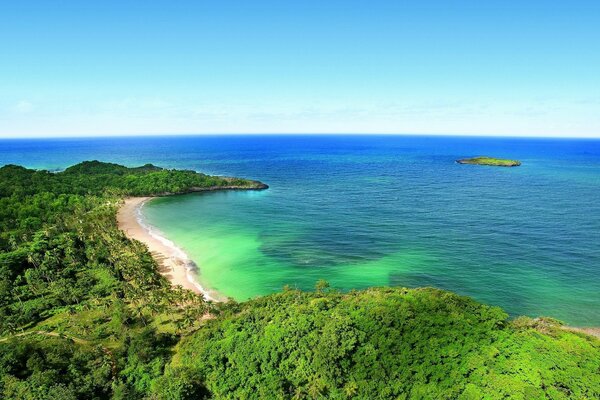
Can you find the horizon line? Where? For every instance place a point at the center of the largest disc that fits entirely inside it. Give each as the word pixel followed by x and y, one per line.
pixel 213 134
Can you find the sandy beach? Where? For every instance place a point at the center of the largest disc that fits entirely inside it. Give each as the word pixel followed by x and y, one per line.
pixel 172 262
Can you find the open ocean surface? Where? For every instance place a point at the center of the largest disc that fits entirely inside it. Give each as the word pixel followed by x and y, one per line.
pixel 364 211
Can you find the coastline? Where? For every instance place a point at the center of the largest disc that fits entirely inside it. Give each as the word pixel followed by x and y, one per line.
pixel 180 270
pixel 173 263
pixel 592 331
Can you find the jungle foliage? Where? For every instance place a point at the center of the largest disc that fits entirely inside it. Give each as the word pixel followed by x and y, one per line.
pixel 384 343
pixel 66 269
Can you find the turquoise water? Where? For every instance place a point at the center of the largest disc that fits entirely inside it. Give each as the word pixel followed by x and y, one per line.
pixel 363 211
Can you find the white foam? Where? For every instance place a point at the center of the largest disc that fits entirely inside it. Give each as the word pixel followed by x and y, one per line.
pixel 191 268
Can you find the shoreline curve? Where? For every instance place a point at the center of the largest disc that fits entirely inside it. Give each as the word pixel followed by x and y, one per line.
pixel 173 262
pixel 180 270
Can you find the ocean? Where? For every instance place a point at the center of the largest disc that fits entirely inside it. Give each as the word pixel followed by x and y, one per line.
pixel 373 210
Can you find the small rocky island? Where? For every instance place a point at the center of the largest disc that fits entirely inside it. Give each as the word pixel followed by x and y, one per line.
pixel 496 162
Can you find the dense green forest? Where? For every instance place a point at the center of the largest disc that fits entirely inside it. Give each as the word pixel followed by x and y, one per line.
pixel 84 314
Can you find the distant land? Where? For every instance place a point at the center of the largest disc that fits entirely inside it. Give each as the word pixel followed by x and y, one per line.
pixel 495 162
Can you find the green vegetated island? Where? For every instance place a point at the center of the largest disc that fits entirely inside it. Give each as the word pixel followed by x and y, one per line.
pixel 85 314
pixel 495 162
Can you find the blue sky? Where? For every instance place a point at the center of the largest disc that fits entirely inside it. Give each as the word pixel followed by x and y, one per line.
pixel 70 68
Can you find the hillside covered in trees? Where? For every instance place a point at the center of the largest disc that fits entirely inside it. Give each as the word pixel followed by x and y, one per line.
pixel 84 314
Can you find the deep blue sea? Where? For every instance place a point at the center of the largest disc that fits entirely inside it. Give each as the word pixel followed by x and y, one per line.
pixel 364 211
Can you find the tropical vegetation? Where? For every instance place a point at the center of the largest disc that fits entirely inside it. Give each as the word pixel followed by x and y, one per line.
pixel 491 161
pixel 84 314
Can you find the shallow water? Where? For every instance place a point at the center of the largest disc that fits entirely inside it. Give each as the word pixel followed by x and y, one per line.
pixel 361 211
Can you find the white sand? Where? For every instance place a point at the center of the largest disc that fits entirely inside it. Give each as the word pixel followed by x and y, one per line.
pixel 173 263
